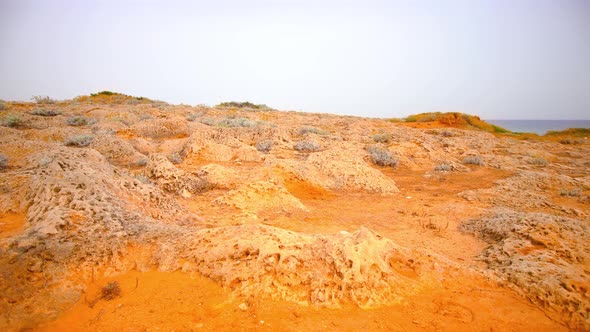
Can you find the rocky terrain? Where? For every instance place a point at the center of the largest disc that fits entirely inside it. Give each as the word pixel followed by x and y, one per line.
pixel 120 212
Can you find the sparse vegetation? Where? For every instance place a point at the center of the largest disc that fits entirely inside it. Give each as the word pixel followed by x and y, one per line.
pixel 446 133
pixel 382 138
pixel 473 160
pixel 309 129
pixel 237 122
pixel 3 161
pixel 208 121
pixel 538 161
pixel 455 119
pixel 111 291
pixel 105 93
pixel 193 116
pixel 45 112
pixel 141 162
pixel 143 179
pixel 444 167
pixel 264 146
pixel 498 129
pixel 43 100
pixel 80 141
pixel 2 105
pixel 110 97
pixel 381 157
pixel 307 146
pixel 245 104
pixel 175 158
pixel 12 121
pixel 576 192
pixel 77 121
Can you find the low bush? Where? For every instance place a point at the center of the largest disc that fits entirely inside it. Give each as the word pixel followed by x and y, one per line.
pixel 175 158
pixel 2 105
pixel 381 157
pixel 446 133
pixel 382 138
pixel 208 121
pixel 44 112
pixel 80 141
pixel 3 161
pixel 111 291
pixel 444 167
pixel 308 129
pixel 77 121
pixel 237 122
pixel 538 161
pixel 193 116
pixel 307 146
pixel 264 146
pixel 12 121
pixel 245 104
pixel 571 192
pixel 473 160
pixel 43 100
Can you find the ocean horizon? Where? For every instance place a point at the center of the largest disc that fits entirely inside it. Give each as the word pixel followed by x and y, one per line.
pixel 540 127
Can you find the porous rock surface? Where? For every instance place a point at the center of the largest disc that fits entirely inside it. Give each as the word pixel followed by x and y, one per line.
pixel 361 268
pixel 544 255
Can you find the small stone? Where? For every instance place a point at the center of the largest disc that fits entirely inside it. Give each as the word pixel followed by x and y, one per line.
pixel 243 306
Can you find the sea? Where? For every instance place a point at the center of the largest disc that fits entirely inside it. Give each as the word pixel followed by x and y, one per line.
pixel 540 127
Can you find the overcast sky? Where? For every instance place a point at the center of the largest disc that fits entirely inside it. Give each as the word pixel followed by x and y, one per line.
pixel 497 59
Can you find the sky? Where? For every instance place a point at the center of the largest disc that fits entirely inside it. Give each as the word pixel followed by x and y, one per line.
pixel 499 59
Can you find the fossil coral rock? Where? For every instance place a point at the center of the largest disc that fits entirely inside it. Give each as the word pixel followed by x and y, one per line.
pixel 362 268
pixel 542 254
pixel 173 179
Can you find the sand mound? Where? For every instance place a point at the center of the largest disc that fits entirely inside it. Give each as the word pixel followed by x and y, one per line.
pixel 220 176
pixel 338 169
pixel 261 196
pixel 116 150
pixel 543 255
pixel 361 268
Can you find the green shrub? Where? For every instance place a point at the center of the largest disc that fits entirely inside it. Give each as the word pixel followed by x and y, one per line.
pixel 498 129
pixel 2 105
pixel 12 121
pixel 246 104
pixel 105 93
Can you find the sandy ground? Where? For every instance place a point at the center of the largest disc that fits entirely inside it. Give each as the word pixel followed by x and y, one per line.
pixel 221 182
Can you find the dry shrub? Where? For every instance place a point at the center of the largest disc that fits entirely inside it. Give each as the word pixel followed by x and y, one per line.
pixel 111 291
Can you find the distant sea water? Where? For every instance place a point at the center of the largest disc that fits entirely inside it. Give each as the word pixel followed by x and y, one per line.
pixel 540 127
